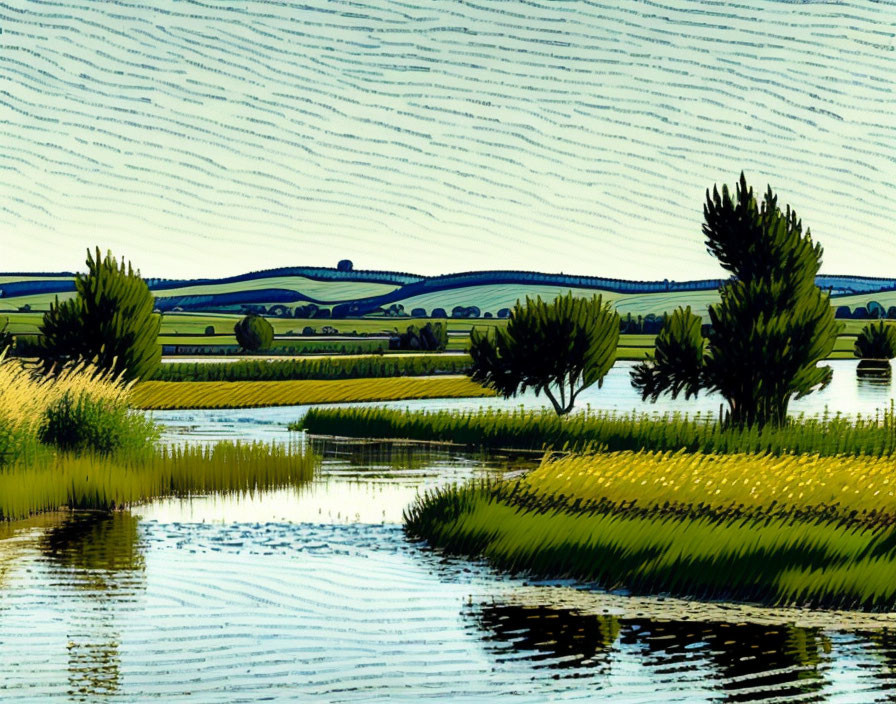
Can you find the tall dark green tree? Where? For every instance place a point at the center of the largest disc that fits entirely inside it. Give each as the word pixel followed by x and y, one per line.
pixel 559 348
pixel 110 321
pixel 770 329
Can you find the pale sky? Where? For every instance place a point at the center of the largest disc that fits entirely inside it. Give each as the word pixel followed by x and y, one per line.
pixel 433 137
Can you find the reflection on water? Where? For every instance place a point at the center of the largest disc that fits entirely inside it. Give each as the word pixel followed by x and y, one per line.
pixel 314 595
pixel 98 554
pixel 744 662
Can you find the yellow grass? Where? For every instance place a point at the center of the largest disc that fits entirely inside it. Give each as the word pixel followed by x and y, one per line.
pixel 24 397
pixel 157 395
pixel 858 483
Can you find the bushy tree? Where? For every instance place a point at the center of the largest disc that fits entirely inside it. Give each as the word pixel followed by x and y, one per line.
pixel 875 347
pixel 560 348
pixel 430 338
pixel 769 330
pixel 254 333
pixel 7 341
pixel 110 322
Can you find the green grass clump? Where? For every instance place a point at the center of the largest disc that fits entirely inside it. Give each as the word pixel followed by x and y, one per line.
pixel 525 429
pixel 83 423
pixel 322 368
pixel 782 561
pixel 56 481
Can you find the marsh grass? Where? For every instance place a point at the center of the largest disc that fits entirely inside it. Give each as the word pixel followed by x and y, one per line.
pixel 774 560
pixel 96 482
pixel 323 368
pixel 528 429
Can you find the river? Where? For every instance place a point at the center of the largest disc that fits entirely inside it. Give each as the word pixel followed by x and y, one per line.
pixel 315 595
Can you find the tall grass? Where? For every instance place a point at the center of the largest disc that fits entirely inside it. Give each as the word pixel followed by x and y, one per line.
pixel 35 408
pixel 774 560
pixel 853 488
pixel 157 395
pixel 526 429
pixel 59 481
pixel 322 368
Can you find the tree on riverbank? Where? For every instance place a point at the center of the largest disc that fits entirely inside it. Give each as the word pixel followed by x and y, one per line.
pixel 110 322
pixel 559 348
pixel 771 327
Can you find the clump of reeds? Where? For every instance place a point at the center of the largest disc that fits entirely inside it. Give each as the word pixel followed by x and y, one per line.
pixel 535 429
pixel 51 482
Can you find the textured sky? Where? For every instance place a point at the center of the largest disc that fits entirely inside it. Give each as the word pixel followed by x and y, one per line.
pixel 204 139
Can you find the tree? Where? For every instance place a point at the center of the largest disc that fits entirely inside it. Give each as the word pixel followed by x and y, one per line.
pixel 875 347
pixel 110 322
pixel 254 333
pixel 769 330
pixel 431 338
pixel 559 348
pixel 345 265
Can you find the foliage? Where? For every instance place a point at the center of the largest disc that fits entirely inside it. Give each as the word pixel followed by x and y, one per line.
pixel 345 265
pixel 254 394
pixel 80 423
pixel 779 560
pixel 321 368
pixel 772 325
pixel 90 482
pixel 430 338
pixel 110 322
pixel 559 348
pixel 26 400
pixel 876 341
pixel 6 338
pixel 254 333
pixel 522 429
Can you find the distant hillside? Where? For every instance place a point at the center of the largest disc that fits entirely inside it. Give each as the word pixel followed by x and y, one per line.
pixel 322 292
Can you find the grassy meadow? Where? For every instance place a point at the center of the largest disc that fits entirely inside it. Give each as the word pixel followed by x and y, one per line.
pixel 792 530
pixel 159 395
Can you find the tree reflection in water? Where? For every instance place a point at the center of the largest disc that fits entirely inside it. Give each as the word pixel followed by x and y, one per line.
pixel 98 555
pixel 743 662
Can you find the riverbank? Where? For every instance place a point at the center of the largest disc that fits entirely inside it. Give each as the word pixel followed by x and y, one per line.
pixel 525 429
pixel 794 531
pixel 164 395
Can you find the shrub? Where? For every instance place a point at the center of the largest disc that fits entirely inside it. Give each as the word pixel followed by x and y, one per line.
pixel 254 333
pixel 430 338
pixel 345 265
pixel 6 339
pixel 110 322
pixel 876 342
pixel 210 330
pixel 82 423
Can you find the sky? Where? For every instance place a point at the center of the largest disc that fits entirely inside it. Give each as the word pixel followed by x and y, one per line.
pixel 210 139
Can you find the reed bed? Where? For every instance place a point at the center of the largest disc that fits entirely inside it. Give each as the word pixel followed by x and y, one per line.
pixel 779 561
pixel 158 395
pixel 528 429
pixel 322 368
pixel 104 483
pixel 851 488
pixel 27 400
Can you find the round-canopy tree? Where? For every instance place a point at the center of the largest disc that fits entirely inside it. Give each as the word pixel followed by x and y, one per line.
pixel 254 333
pixel 559 348
pixel 771 327
pixel 110 322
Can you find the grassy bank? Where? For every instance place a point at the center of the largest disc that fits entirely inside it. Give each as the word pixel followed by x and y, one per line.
pixel 322 368
pixel 796 530
pixel 92 482
pixel 157 395
pixel 523 429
